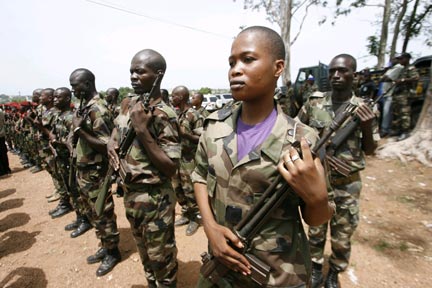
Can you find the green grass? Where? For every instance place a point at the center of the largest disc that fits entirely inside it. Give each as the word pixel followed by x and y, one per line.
pixel 382 245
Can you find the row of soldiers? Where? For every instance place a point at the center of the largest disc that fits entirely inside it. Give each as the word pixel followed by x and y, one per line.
pixel 240 151
pixel 71 145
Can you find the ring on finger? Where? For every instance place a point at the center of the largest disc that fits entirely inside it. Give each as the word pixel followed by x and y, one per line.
pixel 295 157
pixel 288 161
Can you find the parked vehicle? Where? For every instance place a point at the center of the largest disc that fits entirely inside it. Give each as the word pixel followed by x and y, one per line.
pixel 209 102
pixel 223 99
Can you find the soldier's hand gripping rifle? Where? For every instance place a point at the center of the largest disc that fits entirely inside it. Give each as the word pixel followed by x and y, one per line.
pixel 124 146
pixel 250 225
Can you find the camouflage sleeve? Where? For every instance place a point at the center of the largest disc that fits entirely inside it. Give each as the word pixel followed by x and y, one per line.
pixel 187 122
pixel 303 115
pixel 199 175
pixel 167 135
pixel 101 125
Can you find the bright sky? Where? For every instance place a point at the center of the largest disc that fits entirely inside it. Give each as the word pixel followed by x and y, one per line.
pixel 43 41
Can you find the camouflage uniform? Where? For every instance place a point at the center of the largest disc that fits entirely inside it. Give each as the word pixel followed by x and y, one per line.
pixel 91 171
pixel 149 197
pixel 40 109
pixel 191 122
pixel 281 243
pixel 203 112
pixel 318 112
pixel 307 91
pixel 61 129
pixel 285 98
pixel 401 105
pixel 45 152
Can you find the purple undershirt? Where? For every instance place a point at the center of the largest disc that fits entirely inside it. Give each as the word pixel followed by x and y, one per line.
pixel 251 136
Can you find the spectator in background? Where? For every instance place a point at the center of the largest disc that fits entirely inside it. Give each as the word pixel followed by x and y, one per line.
pixel 367 88
pixel 387 88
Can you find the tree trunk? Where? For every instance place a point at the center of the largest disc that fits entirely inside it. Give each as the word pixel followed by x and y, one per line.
pixel 286 37
pixel 409 26
pixel 384 33
pixel 419 145
pixel 397 28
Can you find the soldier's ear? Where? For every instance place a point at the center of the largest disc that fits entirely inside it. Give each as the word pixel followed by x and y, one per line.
pixel 280 66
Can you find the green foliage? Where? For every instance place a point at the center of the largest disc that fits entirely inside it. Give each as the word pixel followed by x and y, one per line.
pixel 205 90
pixel 373 45
pixel 123 92
pixel 382 245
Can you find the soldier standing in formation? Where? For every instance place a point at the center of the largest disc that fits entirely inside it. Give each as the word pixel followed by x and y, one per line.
pixel 319 112
pixel 58 142
pixel 45 125
pixel 197 99
pixel 239 155
pixel 92 125
pixel 190 126
pixel 111 98
pixel 405 86
pixel 151 162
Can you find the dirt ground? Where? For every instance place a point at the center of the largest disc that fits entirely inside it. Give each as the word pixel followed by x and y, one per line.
pixel 392 246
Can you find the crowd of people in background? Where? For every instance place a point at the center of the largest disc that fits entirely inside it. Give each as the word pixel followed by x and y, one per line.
pixel 212 165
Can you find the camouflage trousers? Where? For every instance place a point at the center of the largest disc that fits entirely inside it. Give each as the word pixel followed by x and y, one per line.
pixel 150 211
pixel 50 165
pixel 342 226
pixel 183 187
pixel 401 112
pixel 90 181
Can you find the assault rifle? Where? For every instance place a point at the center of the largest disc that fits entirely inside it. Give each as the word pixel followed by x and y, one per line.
pixel 124 146
pixel 273 197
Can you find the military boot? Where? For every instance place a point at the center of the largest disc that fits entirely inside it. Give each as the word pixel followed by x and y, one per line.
pixel 110 260
pixel 317 276
pixel 98 256
pixel 64 208
pixel 332 279
pixel 84 226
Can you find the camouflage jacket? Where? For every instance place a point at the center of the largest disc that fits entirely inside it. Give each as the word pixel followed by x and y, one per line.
pixel 240 183
pixel 407 72
pixel 164 129
pixel 62 129
pixel 318 113
pixel 203 112
pixel 48 116
pixel 190 122
pixel 100 128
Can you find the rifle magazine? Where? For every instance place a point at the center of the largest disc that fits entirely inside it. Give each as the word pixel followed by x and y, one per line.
pixel 125 172
pixel 260 270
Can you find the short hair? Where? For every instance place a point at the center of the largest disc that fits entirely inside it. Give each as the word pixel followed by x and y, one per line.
pixel 115 90
pixel 49 91
pixel 156 60
pixel 351 58
pixel 87 74
pixel 200 95
pixel 65 90
pixel 274 40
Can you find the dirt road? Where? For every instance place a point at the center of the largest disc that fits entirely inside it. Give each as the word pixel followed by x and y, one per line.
pixel 392 246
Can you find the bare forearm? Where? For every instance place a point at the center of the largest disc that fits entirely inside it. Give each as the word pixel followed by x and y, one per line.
pixel 318 214
pixel 202 200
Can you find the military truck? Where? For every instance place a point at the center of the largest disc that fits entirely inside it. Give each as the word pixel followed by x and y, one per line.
pixel 319 72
